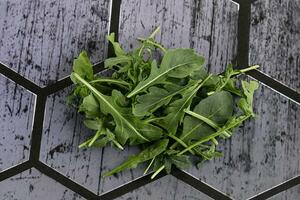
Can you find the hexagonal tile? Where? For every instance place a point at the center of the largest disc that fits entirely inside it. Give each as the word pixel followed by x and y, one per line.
pixel 275 39
pixel 17 106
pixel 262 153
pixel 39 39
pixel 210 27
pixel 63 132
pixel 31 184
pixel 165 188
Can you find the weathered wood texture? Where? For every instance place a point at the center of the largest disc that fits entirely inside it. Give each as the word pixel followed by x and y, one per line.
pixel 166 188
pixel 32 185
pixel 262 153
pixel 39 39
pixel 275 39
pixel 210 27
pixel 16 107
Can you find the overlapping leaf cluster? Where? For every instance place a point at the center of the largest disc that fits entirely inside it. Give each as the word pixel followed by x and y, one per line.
pixel 171 107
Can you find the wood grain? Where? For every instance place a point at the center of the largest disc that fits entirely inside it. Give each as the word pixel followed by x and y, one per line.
pixel 166 188
pixel 32 185
pixel 16 107
pixel 39 39
pixel 275 39
pixel 210 27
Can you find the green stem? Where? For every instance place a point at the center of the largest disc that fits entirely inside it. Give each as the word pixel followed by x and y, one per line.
pixel 209 137
pixel 180 142
pixel 154 32
pixel 96 136
pixel 207 121
pixel 157 45
pixel 236 72
pixel 147 169
pixel 249 68
pixel 157 172
pixel 214 141
pixel 85 144
pixel 118 144
pixel 106 80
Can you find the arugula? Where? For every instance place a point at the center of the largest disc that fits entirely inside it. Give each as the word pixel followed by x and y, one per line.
pixel 172 108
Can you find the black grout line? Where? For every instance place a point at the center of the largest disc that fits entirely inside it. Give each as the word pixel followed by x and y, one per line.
pixel 199 185
pixel 37 129
pixel 66 82
pixel 57 86
pixel 15 170
pixel 114 24
pixel 243 53
pixel 20 80
pixel 243 32
pixel 130 186
pixel 274 84
pixel 45 169
pixel 277 189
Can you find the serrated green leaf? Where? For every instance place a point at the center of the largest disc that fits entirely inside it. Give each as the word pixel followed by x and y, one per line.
pixel 116 61
pixel 83 67
pixel 145 155
pixel 246 104
pixel 118 50
pixel 177 63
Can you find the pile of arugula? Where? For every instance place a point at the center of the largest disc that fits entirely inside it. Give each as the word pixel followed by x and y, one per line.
pixel 171 107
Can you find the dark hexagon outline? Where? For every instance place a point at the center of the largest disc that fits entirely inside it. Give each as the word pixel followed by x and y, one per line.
pixel 42 93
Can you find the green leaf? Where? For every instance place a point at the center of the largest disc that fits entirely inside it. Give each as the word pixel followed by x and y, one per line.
pixel 115 61
pixel 177 63
pixel 155 98
pixel 83 67
pixel 145 155
pixel 246 104
pixel 218 108
pixel 181 162
pixel 118 50
pixel 90 107
pixel 176 109
pixel 94 124
pixel 127 126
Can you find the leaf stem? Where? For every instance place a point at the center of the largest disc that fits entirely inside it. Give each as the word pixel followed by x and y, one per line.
pixel 154 32
pixel 147 169
pixel 180 142
pixel 118 144
pixel 209 137
pixel 249 68
pixel 106 80
pixel 157 172
pixel 207 121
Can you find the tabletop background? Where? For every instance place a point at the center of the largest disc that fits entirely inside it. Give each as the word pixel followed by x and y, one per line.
pixel 39 40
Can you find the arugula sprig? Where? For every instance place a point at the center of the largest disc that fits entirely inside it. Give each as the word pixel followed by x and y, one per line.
pixel 172 108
